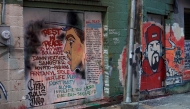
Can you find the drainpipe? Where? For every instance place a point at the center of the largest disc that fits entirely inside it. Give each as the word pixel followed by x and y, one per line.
pixel 3 13
pixel 131 43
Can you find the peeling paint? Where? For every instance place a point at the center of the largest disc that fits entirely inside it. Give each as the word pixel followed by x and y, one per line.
pixel 178 31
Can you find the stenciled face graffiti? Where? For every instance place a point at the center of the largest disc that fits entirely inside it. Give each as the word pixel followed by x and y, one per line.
pixel 56 52
pixel 153 66
pixel 154 48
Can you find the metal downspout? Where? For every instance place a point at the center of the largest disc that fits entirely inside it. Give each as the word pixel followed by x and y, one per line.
pixel 131 43
pixel 3 13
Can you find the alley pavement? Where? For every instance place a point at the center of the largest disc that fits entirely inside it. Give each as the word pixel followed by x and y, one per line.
pixel 177 101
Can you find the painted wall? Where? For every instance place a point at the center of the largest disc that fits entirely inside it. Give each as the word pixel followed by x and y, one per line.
pixel 179 26
pixel 164 65
pixel 39 63
pixel 153 67
pixel 163 60
pixel 115 15
pixel 63 56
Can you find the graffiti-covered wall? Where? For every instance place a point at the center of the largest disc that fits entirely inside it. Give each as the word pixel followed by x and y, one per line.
pixel 153 64
pixel 175 55
pixel 63 56
pixel 179 26
pixel 165 50
pixel 163 55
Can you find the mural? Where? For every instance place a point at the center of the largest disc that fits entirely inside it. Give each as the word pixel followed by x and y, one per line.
pixel 153 67
pixel 63 56
pixel 163 59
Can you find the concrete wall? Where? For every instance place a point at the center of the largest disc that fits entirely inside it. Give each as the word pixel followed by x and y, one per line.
pixel 12 93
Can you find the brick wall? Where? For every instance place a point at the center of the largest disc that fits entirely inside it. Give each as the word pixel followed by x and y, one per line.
pixel 116 18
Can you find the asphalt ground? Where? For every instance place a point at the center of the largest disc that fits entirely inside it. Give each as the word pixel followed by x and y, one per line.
pixel 177 101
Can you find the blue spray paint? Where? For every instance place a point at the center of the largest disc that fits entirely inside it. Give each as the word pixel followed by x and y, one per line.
pixel 99 90
pixel 3 89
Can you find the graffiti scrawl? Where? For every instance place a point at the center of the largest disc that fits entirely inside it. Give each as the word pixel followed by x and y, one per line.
pixel 178 59
pixel 3 89
pixel 36 93
pixel 174 54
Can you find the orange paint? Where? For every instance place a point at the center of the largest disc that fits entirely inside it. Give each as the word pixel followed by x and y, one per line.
pixel 170 54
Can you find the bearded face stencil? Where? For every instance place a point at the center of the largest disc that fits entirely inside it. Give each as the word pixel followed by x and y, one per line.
pixel 154 49
pixel 153 64
pixel 153 38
